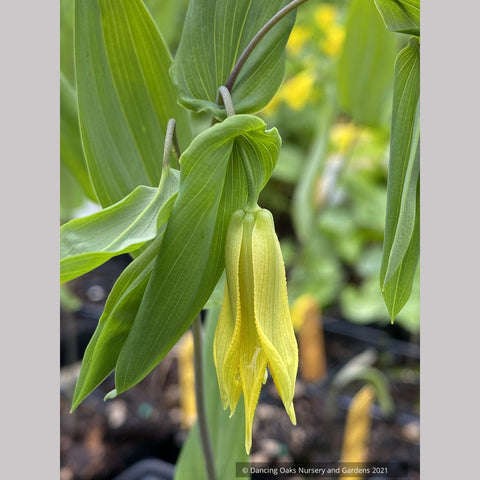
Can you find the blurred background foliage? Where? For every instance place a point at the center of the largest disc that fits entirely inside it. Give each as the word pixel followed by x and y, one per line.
pixel 328 191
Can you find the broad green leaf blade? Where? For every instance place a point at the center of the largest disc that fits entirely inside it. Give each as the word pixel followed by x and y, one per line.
pixel 71 151
pixel 215 34
pixel 401 249
pixel 402 16
pixel 366 64
pixel 115 323
pixel 191 258
pixel 227 434
pixel 113 143
pixel 86 243
pixel 140 62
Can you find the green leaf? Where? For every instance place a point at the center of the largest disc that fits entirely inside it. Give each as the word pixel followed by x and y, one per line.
pixel 398 289
pixel 86 243
pixel 67 64
pixel 365 68
pixel 71 151
pixel 191 260
pixel 72 197
pixel 402 16
pixel 227 434
pixel 125 96
pixel 216 298
pixel 215 34
pixel 169 16
pixel 303 203
pixel 115 323
pixel 136 50
pixel 401 242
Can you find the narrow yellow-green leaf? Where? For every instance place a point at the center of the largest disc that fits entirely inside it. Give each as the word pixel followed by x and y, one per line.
pixel 407 208
pixel 120 309
pixel 86 243
pixel 401 242
pixel 398 289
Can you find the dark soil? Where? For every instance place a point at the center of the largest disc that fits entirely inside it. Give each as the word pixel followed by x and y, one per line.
pixel 101 439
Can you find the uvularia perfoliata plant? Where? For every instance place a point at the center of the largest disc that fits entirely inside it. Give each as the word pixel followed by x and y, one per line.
pixel 254 330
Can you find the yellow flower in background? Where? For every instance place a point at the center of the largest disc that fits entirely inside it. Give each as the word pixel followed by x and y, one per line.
pixel 333 42
pixel 300 308
pixel 297 39
pixel 325 15
pixel 298 90
pixel 295 92
pixel 271 108
pixel 343 135
pixel 254 328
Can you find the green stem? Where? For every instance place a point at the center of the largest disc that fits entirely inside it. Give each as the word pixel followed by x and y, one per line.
pixel 252 199
pixel 224 93
pixel 256 40
pixel 200 400
pixel 169 141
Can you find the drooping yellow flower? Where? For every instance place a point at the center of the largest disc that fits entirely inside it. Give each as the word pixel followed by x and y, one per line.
pixel 254 328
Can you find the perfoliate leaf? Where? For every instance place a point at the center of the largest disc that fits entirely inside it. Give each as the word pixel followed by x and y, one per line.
pixel 86 243
pixel 227 433
pixel 215 34
pixel 114 325
pixel 402 16
pixel 71 151
pixel 191 258
pixel 365 68
pixel 401 242
pixel 125 96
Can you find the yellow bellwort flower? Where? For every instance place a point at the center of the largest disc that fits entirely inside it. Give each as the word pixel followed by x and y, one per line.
pixel 254 328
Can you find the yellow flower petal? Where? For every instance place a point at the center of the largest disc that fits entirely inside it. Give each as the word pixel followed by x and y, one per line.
pixel 227 334
pixel 272 314
pixel 253 361
pixel 226 356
